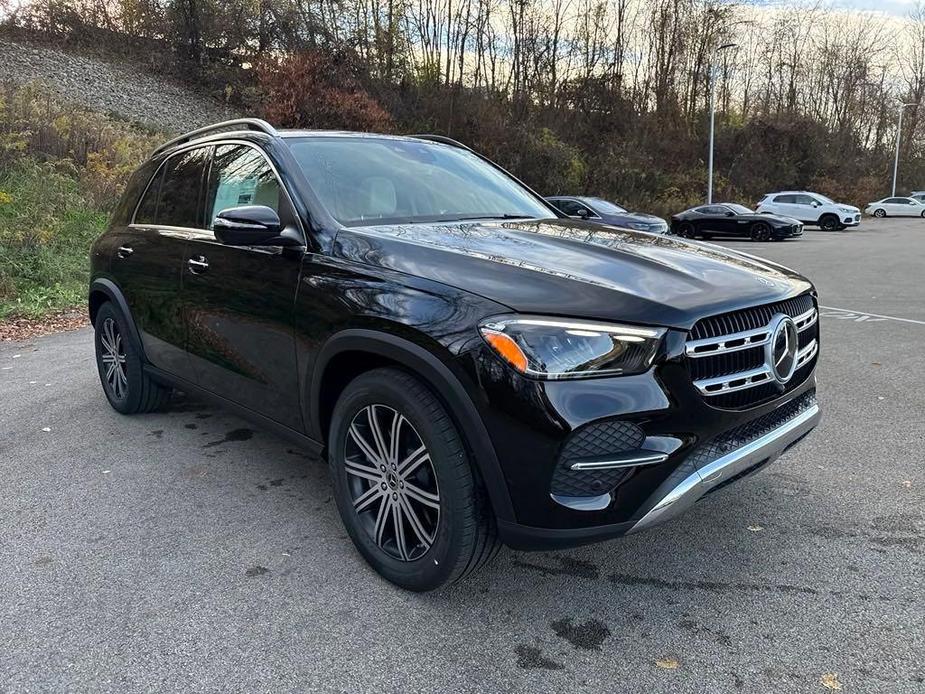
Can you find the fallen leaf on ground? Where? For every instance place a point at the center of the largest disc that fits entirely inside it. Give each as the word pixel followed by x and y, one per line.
pixel 830 681
pixel 668 663
pixel 907 484
pixel 46 428
pixel 756 528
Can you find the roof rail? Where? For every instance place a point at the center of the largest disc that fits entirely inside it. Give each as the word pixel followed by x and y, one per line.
pixel 442 139
pixel 246 123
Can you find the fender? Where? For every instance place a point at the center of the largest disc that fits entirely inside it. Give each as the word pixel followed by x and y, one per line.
pixel 112 291
pixel 445 385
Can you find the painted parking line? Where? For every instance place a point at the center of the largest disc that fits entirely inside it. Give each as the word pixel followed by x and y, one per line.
pixel 862 316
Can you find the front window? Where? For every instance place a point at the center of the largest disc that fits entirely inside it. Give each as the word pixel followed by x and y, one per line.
pixel 607 207
pixel 380 180
pixel 823 199
pixel 739 209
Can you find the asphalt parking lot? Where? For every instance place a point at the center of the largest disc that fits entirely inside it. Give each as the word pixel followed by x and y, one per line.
pixel 190 551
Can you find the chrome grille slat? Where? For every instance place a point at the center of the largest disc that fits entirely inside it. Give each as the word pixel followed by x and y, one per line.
pixel 726 353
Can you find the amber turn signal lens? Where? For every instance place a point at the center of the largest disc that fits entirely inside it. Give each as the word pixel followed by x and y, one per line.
pixel 508 350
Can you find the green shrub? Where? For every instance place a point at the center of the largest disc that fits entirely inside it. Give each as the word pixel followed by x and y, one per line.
pixel 62 169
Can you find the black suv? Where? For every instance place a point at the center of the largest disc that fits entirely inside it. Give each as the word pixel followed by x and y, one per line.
pixel 477 368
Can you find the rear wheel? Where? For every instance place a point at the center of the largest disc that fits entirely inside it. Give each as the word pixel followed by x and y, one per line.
pixel 829 222
pixel 761 231
pixel 121 368
pixel 404 485
pixel 687 231
pixel 880 212
pixel 923 213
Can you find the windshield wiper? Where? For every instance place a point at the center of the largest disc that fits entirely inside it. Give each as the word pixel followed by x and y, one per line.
pixel 491 216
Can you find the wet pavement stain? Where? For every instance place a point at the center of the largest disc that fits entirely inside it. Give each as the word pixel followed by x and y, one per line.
pixel 588 636
pixel 191 426
pixel 256 571
pixel 242 434
pixel 532 658
pixel 156 433
pixel 568 566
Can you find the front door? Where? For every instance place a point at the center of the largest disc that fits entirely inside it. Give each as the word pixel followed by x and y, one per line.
pixel 239 300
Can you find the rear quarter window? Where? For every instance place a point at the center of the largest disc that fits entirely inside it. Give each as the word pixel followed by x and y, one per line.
pixel 136 186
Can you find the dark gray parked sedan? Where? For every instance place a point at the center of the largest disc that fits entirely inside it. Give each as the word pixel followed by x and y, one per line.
pixel 605 212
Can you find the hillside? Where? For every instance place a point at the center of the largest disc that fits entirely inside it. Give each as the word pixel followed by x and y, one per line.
pixel 110 88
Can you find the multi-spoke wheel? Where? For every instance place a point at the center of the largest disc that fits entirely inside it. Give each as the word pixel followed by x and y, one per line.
pixel 392 482
pixel 404 485
pixel 761 231
pixel 113 358
pixel 127 387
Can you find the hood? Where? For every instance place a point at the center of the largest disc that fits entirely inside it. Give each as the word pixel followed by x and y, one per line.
pixel 850 208
pixel 638 217
pixel 575 268
pixel 779 218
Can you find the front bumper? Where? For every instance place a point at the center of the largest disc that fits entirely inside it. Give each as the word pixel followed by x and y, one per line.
pixel 707 469
pixel 851 219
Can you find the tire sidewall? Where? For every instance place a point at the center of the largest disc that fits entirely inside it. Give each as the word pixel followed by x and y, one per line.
pixel 881 213
pixel 761 231
pixel 133 364
pixel 829 222
pixel 439 563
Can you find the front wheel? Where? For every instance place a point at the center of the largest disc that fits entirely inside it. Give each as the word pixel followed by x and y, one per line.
pixel 127 387
pixel 882 213
pixel 829 222
pixel 687 231
pixel 404 484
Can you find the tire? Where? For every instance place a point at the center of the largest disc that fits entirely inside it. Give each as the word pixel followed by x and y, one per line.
pixel 881 213
pixel 923 213
pixel 829 222
pixel 761 231
pixel 687 231
pixel 121 367
pixel 442 531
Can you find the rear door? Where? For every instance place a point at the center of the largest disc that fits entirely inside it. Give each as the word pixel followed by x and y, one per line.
pixel 239 300
pixel 149 258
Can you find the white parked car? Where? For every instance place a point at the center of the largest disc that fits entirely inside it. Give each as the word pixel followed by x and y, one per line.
pixel 896 207
pixel 811 208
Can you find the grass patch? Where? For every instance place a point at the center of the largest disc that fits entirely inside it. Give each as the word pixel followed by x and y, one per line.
pixel 46 228
pixel 62 169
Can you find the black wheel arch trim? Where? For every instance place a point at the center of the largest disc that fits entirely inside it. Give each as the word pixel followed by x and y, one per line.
pixel 446 386
pixel 115 295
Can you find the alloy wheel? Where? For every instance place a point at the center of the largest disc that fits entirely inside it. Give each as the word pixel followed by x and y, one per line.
pixel 113 358
pixel 879 213
pixel 392 482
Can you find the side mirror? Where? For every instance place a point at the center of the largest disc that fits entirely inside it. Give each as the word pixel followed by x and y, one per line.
pixel 250 225
pixel 583 213
pixel 730 213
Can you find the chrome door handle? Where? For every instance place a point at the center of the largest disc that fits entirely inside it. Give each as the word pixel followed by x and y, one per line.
pixel 198 264
pixel 124 251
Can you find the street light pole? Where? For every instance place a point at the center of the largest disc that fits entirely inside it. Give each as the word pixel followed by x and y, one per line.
pixel 899 132
pixel 712 118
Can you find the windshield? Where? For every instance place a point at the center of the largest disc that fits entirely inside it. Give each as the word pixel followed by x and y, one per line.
pixel 823 198
pixel 739 209
pixel 369 180
pixel 607 207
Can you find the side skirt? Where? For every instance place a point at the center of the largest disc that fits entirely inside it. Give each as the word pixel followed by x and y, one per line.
pixel 298 438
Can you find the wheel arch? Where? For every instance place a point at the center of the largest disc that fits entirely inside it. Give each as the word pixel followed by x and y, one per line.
pixel 103 290
pixel 354 351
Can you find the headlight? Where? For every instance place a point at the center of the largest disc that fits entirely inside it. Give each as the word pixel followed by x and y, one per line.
pixel 846 209
pixel 638 226
pixel 552 348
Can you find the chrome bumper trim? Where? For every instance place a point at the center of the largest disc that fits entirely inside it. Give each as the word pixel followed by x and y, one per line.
pixel 679 496
pixel 617 461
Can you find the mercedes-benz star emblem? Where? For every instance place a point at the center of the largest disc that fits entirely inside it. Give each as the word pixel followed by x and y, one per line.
pixel 781 351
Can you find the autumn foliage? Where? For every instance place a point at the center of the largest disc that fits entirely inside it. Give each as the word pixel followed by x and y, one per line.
pixel 318 89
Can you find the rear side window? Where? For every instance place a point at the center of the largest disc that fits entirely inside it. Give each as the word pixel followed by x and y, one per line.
pixel 180 190
pixel 786 198
pixel 241 176
pixel 147 209
pixel 133 190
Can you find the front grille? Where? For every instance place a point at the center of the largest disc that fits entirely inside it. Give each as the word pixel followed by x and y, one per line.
pixel 727 359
